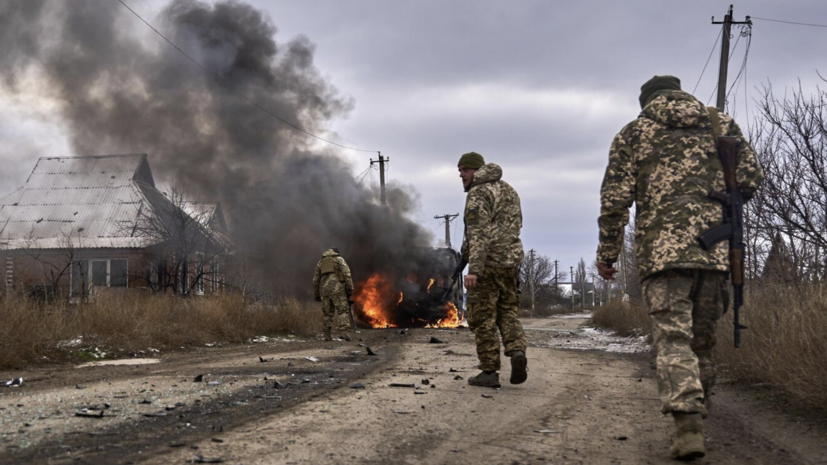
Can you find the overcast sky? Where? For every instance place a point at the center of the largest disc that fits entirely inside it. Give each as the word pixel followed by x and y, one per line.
pixel 539 87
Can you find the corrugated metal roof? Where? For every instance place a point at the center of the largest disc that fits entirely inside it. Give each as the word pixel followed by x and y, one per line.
pixel 88 202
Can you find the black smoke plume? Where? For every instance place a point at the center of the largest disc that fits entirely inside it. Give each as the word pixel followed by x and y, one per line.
pixel 119 88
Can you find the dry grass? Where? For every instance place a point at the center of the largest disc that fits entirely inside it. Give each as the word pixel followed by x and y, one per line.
pixel 785 347
pixel 134 321
pixel 625 318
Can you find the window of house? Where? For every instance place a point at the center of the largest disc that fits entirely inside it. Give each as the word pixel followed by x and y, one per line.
pixel 111 272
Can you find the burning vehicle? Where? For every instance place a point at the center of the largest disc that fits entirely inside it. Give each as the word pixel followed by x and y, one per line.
pixel 420 294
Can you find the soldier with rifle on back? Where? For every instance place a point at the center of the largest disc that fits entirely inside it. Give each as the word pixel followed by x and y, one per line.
pixel 333 286
pixel 667 163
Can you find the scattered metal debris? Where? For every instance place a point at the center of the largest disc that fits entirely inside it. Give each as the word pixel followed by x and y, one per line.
pixel 426 381
pixel 312 359
pixel 80 386
pixel 89 413
pixel 370 352
pixel 279 385
pixel 155 414
pixel 547 431
pixel 356 386
pixel 435 340
pixel 403 385
pixel 214 383
pixel 264 360
pixel 202 459
pixel 198 379
pixel 15 382
pixel 487 396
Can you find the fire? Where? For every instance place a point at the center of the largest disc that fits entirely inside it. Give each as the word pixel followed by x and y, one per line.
pixel 370 296
pixel 431 284
pixel 400 299
pixel 451 321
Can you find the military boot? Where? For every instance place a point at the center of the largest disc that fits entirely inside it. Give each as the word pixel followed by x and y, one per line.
pixel 485 379
pixel 519 367
pixel 689 436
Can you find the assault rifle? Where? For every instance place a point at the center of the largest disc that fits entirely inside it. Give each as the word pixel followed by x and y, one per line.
pixel 733 227
pixel 454 278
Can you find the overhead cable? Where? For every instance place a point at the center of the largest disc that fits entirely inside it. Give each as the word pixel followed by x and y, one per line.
pixel 789 22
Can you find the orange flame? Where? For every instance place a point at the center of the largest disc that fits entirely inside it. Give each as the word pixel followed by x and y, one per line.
pixel 451 321
pixel 430 284
pixel 400 299
pixel 370 296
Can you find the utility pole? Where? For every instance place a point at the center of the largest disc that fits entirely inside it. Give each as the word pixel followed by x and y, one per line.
pixel 531 269
pixel 571 273
pixel 448 218
pixel 724 65
pixel 382 160
pixel 556 288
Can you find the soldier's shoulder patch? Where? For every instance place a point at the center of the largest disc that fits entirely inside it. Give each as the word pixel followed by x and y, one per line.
pixel 471 216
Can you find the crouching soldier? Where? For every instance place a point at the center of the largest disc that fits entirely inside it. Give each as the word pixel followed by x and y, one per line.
pixel 332 286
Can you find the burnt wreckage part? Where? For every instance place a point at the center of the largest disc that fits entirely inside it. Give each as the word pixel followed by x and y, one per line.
pixel 421 291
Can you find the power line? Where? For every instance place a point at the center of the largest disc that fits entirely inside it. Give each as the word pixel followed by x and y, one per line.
pixel 707 60
pixel 789 22
pixel 220 80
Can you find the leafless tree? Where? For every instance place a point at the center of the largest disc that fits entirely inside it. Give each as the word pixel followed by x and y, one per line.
pixel 187 251
pixel 790 139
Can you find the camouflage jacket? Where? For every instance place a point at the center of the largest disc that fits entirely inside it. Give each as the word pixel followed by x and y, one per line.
pixel 326 285
pixel 666 163
pixel 493 220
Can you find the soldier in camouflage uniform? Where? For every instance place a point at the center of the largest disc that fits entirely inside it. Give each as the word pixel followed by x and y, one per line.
pixel 493 249
pixel 332 286
pixel 666 163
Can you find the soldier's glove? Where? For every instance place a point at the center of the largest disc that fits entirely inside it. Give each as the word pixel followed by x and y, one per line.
pixel 317 299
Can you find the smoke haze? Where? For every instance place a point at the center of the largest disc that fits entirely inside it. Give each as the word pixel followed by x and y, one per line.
pixel 120 89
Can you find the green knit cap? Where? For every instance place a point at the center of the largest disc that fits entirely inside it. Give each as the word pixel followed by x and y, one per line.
pixel 657 84
pixel 471 160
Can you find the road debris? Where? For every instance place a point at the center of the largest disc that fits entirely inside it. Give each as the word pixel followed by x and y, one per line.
pixel 214 383
pixel 426 381
pixel 198 379
pixel 403 385
pixel 15 382
pixel 312 359
pixel 85 413
pixel 487 396
pixel 264 360
pixel 547 431
pixel 356 386
pixel 202 459
pixel 370 352
pixel 435 340
pixel 80 386
pixel 155 414
pixel 458 377
pixel 279 385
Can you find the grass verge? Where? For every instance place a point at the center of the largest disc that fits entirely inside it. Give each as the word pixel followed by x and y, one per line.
pixel 134 321
pixel 784 347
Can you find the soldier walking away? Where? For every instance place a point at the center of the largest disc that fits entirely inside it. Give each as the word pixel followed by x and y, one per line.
pixel 666 163
pixel 332 286
pixel 493 250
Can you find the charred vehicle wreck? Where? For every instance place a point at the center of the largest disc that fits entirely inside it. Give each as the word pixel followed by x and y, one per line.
pixel 422 293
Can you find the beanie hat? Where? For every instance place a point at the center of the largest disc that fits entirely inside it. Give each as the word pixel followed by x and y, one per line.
pixel 471 160
pixel 656 84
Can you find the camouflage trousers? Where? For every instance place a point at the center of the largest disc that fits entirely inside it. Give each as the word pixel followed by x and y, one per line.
pixel 685 306
pixel 492 305
pixel 336 313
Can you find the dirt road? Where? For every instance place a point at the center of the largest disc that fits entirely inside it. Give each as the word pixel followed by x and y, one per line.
pixel 590 398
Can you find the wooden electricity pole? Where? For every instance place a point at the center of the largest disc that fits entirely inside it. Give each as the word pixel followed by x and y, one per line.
pixel 382 160
pixel 571 274
pixel 722 69
pixel 531 267
pixel 448 218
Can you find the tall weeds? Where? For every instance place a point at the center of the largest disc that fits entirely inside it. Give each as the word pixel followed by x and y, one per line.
pixel 132 321
pixel 785 346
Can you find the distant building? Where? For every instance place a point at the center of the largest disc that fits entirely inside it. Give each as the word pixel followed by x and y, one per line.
pixel 80 224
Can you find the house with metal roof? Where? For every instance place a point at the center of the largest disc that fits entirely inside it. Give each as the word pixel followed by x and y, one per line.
pixel 81 224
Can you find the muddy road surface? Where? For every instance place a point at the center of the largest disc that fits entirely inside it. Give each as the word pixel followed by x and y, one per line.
pixel 590 398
